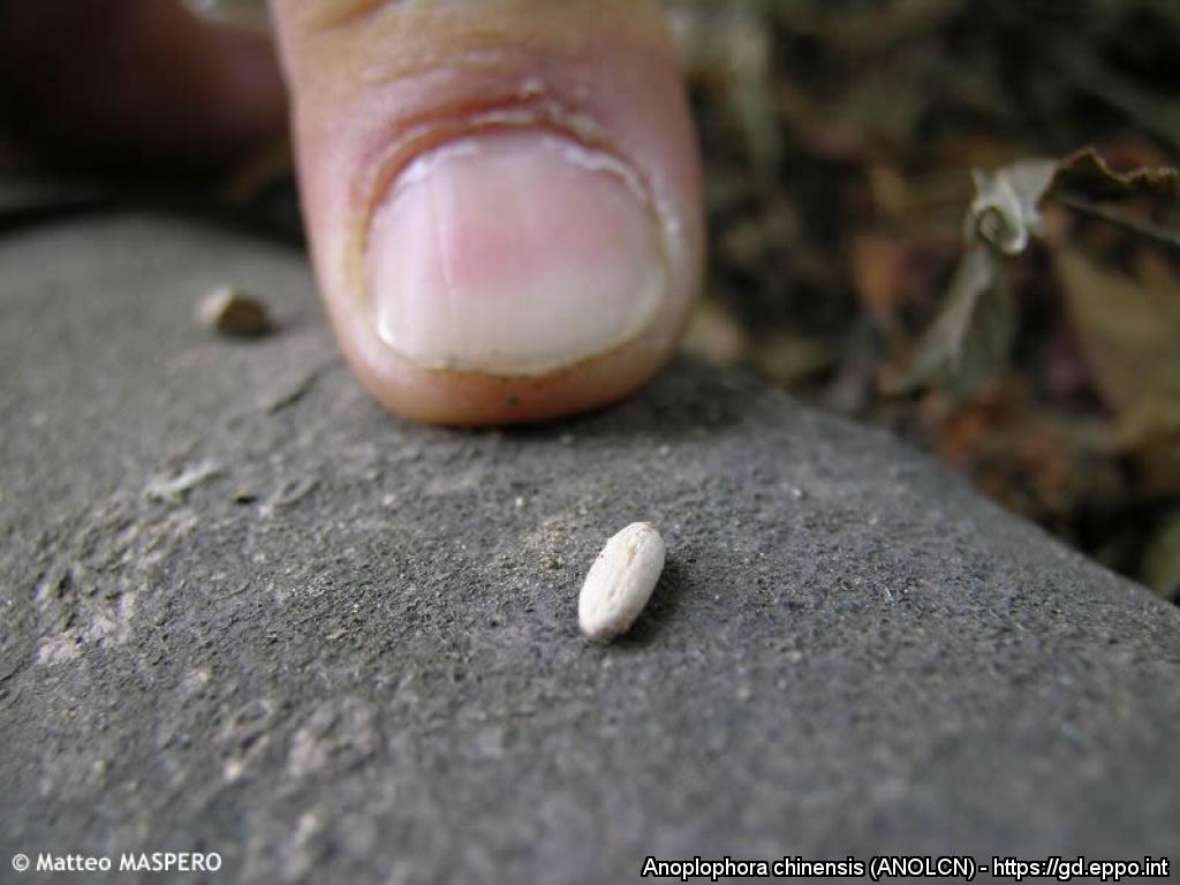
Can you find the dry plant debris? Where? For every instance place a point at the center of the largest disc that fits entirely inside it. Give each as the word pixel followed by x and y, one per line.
pixel 236 314
pixel 1036 347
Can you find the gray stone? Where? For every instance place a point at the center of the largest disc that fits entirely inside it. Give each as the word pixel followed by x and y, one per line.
pixel 245 611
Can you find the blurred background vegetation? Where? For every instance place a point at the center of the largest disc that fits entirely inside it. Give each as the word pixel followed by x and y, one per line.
pixel 840 139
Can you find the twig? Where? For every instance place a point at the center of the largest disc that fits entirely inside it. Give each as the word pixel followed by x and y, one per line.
pixel 1169 239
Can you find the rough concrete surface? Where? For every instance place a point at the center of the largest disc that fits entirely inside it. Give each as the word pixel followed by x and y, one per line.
pixel 242 610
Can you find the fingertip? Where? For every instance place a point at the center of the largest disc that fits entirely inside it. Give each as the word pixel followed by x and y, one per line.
pixel 504 208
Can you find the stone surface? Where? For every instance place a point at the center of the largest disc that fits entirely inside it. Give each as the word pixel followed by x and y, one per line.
pixel 245 611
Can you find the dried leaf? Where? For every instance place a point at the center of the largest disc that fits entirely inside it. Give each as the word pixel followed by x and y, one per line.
pixel 1161 560
pixel 787 358
pixel 880 263
pixel 1158 469
pixel 714 335
pixel 1149 433
pixel 1128 329
pixel 1004 212
pixel 970 339
pixel 1086 172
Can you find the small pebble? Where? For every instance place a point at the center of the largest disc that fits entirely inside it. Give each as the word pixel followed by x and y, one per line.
pixel 231 312
pixel 621 581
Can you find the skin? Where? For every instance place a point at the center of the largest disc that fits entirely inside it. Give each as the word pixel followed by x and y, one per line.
pixel 371 85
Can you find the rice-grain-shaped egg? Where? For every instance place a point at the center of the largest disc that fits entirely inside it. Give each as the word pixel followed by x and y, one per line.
pixel 621 581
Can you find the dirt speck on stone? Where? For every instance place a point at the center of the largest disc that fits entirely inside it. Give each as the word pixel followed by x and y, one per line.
pixel 236 314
